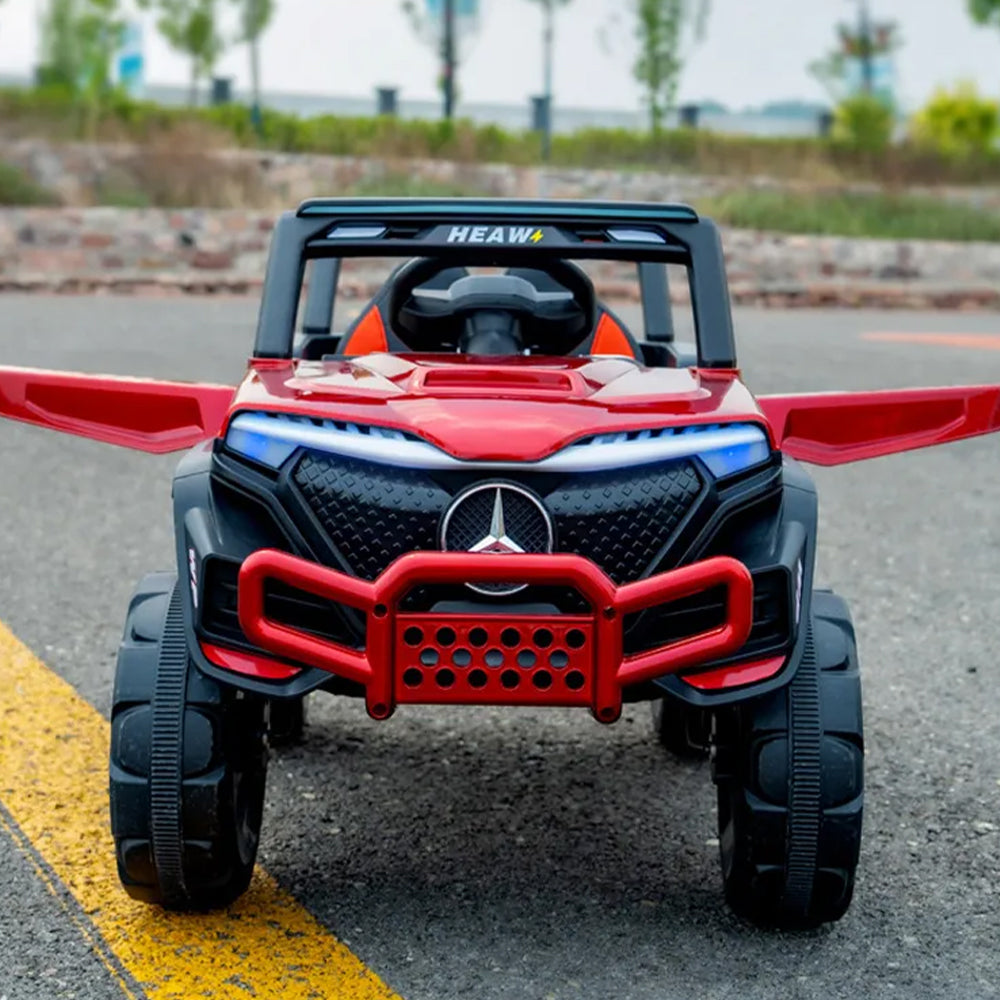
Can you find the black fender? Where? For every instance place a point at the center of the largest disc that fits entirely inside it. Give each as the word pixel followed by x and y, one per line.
pixel 205 526
pixel 794 537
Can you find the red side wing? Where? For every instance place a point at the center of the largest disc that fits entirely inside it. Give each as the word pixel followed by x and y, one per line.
pixel 144 414
pixel 840 427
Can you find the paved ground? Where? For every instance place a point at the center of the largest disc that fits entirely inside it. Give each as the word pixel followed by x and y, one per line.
pixel 537 855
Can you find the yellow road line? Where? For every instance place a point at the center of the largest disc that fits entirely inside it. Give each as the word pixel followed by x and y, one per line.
pixel 53 784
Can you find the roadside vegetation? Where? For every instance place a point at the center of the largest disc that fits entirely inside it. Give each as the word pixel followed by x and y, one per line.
pixel 163 176
pixel 17 188
pixel 177 156
pixel 840 213
pixel 941 151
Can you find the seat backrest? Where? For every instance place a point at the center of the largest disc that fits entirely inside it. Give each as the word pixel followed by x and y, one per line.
pixel 370 332
pixel 366 335
pixel 610 336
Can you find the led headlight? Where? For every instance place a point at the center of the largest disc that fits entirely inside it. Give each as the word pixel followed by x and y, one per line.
pixel 734 449
pixel 271 439
pixel 259 445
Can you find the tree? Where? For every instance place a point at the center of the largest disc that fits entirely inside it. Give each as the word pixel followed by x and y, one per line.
pixel 79 40
pixel 660 29
pixel 60 62
pixel 548 44
pixel 255 16
pixel 985 12
pixel 449 46
pixel 100 30
pixel 858 46
pixel 191 27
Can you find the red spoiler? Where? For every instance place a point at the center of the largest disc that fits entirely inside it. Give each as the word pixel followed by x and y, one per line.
pixel 822 428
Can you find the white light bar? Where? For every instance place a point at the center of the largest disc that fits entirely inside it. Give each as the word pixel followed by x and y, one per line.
pixel 357 233
pixel 273 438
pixel 635 236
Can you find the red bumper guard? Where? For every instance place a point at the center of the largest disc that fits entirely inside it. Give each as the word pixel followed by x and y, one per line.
pixel 494 659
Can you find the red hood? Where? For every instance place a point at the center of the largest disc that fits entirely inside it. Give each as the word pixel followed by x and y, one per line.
pixel 523 409
pixel 520 410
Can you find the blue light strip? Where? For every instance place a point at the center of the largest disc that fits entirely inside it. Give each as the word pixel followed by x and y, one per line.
pixel 738 458
pixel 271 439
pixel 377 208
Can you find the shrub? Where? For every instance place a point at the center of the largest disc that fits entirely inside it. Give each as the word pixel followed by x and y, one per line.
pixel 17 188
pixel 864 123
pixel 182 168
pixel 958 122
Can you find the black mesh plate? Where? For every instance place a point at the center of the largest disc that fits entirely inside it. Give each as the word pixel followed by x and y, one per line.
pixel 621 520
pixel 372 514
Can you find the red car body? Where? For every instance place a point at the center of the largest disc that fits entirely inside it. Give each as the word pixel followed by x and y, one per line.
pixel 354 586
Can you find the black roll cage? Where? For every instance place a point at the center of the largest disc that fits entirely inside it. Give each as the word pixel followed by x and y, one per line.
pixel 651 235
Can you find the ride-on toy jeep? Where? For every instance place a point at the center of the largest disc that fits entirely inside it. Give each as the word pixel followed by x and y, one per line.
pixel 489 490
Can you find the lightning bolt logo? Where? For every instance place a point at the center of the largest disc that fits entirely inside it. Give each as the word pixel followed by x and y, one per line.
pixel 537 236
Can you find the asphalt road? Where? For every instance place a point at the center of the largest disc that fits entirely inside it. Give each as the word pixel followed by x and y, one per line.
pixel 489 854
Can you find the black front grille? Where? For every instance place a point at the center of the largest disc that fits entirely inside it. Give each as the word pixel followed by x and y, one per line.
pixel 622 520
pixel 371 514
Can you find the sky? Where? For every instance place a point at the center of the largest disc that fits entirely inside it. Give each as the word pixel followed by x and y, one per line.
pixel 755 51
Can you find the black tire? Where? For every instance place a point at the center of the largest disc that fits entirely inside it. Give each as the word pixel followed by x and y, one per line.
pixel 188 765
pixel 790 773
pixel 683 730
pixel 286 721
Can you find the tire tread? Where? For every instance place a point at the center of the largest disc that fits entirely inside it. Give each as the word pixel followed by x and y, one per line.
pixel 211 874
pixel 790 774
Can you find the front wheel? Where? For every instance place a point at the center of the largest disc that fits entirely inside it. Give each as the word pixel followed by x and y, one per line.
pixel 286 721
pixel 682 729
pixel 789 767
pixel 188 765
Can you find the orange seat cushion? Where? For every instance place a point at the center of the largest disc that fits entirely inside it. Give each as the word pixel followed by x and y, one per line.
pixel 368 336
pixel 610 338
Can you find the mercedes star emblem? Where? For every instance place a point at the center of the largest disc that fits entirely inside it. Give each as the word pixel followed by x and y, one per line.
pixel 499 519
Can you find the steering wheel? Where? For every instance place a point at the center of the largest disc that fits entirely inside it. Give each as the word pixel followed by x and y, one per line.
pixel 546 309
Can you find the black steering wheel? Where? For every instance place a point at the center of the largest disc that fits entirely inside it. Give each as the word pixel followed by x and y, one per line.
pixel 547 309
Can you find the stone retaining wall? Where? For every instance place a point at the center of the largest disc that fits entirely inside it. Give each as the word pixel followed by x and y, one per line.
pixel 224 250
pixel 81 174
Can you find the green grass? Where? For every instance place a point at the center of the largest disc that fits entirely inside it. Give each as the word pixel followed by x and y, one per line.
pixel 879 216
pixel 16 188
